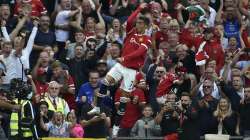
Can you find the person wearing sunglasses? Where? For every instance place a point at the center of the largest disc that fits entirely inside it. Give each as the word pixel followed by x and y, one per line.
pixel 206 105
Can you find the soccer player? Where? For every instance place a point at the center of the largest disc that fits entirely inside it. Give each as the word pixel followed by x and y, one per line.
pixel 132 59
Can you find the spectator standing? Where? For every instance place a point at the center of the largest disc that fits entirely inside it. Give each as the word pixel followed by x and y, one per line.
pixel 47 116
pixel 79 41
pixel 188 118
pixel 146 126
pixel 154 75
pixel 62 24
pixel 226 120
pixel 67 91
pixel 45 37
pixel 244 111
pixel 57 127
pixel 95 125
pixel 17 61
pixel 56 103
pixel 234 92
pixel 113 53
pixel 206 105
pixel 76 131
pixel 79 67
pixel 37 7
pixel 168 118
pixel 88 90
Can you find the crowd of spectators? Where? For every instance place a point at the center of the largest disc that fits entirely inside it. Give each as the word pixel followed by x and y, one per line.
pixel 195 80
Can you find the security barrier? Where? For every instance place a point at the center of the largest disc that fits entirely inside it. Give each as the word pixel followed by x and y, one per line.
pixel 137 138
pixel 50 138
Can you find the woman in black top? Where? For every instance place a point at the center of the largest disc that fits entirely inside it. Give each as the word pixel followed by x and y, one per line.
pixel 226 120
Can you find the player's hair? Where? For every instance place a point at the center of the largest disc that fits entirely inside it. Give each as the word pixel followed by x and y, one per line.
pixel 144 19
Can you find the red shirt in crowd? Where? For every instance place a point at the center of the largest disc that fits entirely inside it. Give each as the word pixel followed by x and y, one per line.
pixel 37 8
pixel 135 45
pixel 187 38
pixel 160 37
pixel 70 98
pixel 214 51
pixel 165 84
pixel 133 111
pixel 41 88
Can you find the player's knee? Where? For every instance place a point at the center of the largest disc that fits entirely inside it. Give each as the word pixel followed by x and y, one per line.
pixel 108 80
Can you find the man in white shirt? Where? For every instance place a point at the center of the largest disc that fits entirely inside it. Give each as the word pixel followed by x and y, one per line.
pixel 62 24
pixel 17 59
pixel 56 103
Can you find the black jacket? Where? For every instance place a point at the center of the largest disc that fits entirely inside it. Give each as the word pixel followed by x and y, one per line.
pixel 244 117
pixel 190 124
pixel 232 94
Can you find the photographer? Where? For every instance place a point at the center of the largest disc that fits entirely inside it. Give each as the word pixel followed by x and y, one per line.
pixel 188 118
pixel 22 123
pixel 6 105
pixel 168 118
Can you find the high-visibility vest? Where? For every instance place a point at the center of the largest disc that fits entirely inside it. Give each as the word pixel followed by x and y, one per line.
pixel 60 106
pixel 26 132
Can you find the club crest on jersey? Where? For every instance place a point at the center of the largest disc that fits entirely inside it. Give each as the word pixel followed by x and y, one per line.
pixel 140 39
pixel 132 40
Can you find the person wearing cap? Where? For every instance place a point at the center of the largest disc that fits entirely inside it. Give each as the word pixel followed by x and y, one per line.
pixel 56 103
pixel 102 68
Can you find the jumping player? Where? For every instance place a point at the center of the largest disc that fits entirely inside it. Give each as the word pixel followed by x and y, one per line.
pixel 132 59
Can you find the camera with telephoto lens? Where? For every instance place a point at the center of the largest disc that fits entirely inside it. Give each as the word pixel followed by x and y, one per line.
pixel 175 105
pixel 19 89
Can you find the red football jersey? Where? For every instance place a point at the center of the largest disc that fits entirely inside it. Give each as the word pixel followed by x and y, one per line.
pixel 135 45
